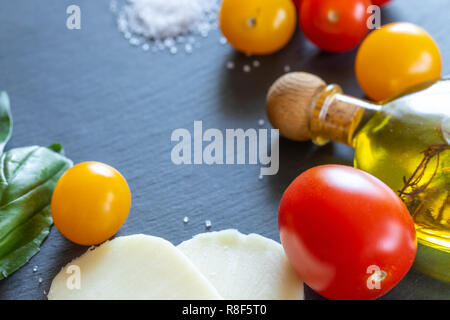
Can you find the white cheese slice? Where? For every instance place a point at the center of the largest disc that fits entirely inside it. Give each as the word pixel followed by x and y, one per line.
pixel 132 267
pixel 244 266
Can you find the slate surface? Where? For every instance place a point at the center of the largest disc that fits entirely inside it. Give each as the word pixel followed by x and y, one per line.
pixel 105 100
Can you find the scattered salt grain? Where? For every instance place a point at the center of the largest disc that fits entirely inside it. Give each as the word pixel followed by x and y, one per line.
pixel 223 40
pixel 186 219
pixel 188 48
pixel 230 65
pixel 246 68
pixel 35 268
pixel 260 177
pixel 40 280
pixel 261 122
pixel 208 224
pixel 169 42
pixel 173 50
pixel 145 47
pixel 135 41
pixel 287 68
pixel 256 63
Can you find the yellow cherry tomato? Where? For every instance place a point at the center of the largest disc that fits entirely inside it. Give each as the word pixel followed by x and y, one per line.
pixel 90 203
pixel 394 58
pixel 257 26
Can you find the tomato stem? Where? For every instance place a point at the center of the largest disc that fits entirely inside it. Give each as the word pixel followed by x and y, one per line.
pixel 251 22
pixel 333 16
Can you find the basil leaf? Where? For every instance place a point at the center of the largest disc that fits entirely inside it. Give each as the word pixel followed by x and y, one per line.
pixel 27 178
pixel 5 120
pixel 56 147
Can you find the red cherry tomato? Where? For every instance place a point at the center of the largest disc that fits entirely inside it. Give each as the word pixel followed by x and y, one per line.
pixel 334 25
pixel 380 2
pixel 346 233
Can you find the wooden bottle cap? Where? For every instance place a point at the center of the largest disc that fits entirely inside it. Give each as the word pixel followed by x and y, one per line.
pixel 289 103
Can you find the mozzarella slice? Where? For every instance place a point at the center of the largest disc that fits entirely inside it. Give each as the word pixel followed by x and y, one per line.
pixel 244 266
pixel 132 267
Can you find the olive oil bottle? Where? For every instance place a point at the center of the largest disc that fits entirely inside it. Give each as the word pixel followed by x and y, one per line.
pixel 404 141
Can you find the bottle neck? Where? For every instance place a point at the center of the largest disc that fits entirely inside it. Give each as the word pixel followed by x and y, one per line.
pixel 337 117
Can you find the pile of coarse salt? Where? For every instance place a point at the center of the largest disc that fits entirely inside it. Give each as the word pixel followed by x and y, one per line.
pixel 165 23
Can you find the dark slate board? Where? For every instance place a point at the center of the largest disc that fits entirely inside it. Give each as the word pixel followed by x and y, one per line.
pixel 107 101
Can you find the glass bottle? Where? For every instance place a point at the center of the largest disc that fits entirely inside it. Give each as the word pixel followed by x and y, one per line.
pixel 404 141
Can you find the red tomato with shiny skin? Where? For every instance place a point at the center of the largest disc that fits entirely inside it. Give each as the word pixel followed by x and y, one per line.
pixel 334 25
pixel 346 233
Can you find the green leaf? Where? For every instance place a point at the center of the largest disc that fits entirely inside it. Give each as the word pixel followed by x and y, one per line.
pixel 5 120
pixel 56 147
pixel 27 178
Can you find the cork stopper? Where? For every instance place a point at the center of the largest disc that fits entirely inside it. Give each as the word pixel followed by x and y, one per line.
pixel 290 101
